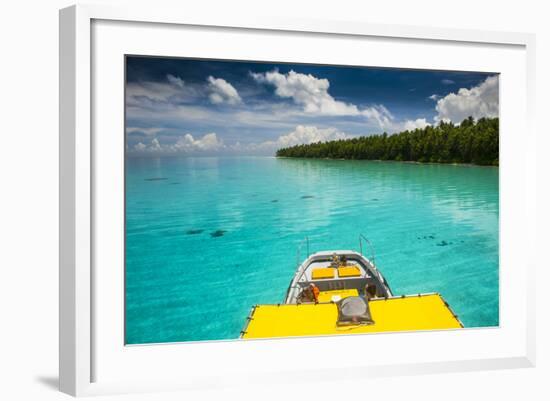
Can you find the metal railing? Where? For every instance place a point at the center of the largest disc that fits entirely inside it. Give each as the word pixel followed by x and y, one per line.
pixel 298 263
pixel 363 238
pixel 299 251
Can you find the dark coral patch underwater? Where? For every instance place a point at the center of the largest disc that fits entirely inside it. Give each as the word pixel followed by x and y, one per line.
pixel 194 231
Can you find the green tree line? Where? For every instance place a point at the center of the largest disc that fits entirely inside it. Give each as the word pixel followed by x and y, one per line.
pixel 474 142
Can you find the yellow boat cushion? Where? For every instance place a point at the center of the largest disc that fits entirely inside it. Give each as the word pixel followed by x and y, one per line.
pixel 321 273
pixel 326 296
pixel 349 271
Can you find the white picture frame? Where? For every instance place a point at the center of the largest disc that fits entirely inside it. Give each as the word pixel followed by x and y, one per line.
pixel 82 344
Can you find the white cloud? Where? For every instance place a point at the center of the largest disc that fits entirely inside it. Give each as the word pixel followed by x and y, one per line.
pixel 311 93
pixel 302 134
pixel 479 101
pixel 208 142
pixel 222 91
pixel 434 97
pixel 140 147
pixel 307 91
pixel 174 102
pixel 155 145
pixel 143 93
pixel 381 115
pixel 305 134
pixel 177 81
pixel 411 125
pixel 447 81
pixel 186 144
pixel 155 91
pixel 147 131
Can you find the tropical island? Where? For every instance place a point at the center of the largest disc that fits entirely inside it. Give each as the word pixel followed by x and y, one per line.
pixel 470 142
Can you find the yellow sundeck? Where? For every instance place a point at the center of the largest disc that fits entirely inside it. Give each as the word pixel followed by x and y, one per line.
pixel 416 312
pixel 342 292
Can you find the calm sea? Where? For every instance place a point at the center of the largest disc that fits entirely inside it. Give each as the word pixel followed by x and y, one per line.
pixel 207 238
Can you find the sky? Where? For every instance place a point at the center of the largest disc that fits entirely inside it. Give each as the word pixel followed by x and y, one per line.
pixel 179 106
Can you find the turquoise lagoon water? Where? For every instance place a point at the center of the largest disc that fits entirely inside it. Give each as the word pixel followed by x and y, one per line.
pixel 207 238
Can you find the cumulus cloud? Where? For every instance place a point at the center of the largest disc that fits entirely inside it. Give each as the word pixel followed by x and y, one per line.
pixel 222 91
pixel 312 94
pixel 434 97
pixel 186 144
pixel 177 81
pixel 411 125
pixel 208 142
pixel 307 91
pixel 140 147
pixel 155 145
pixel 174 90
pixel 479 101
pixel 305 134
pixel 301 135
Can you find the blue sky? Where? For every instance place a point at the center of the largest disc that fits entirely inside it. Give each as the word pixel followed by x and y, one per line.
pixel 185 106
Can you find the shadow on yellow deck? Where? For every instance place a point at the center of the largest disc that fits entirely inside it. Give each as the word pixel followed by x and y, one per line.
pixel 417 312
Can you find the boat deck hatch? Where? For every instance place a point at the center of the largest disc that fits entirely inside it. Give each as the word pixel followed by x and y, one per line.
pixel 322 273
pixel 349 271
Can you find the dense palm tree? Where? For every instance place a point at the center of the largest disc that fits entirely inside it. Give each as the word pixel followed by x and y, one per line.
pixel 471 141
